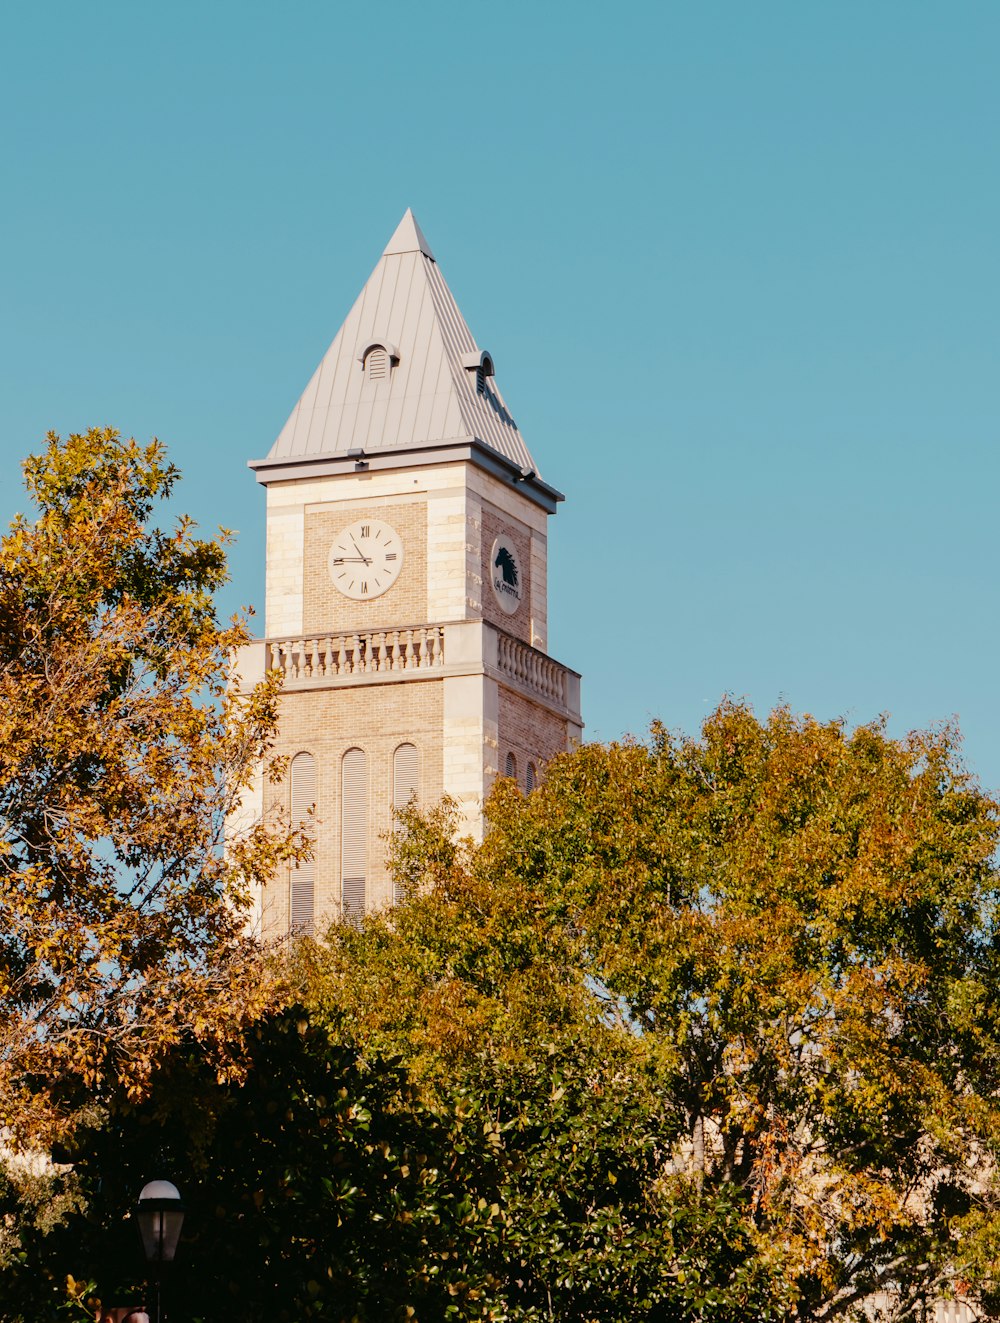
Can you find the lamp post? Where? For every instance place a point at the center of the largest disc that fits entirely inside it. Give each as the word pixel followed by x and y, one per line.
pixel 160 1215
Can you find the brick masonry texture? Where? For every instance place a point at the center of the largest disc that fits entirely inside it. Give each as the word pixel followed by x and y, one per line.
pixel 463 724
pixel 492 525
pixel 529 732
pixel 326 723
pixel 405 603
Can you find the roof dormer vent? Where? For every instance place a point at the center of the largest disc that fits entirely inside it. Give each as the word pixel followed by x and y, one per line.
pixel 377 359
pixel 481 363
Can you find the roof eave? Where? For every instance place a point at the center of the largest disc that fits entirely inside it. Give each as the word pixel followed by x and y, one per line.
pixel 293 468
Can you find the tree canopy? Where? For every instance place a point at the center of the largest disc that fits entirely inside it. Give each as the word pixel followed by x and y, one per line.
pixel 122 751
pixel 776 943
pixel 705 1029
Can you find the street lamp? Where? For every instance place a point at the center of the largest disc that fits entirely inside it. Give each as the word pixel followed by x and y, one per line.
pixel 160 1215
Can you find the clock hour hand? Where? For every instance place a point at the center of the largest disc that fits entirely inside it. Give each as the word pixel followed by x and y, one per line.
pixel 351 560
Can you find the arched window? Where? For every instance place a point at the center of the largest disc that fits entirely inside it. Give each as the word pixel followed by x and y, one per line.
pixel 405 775
pixel 353 833
pixel 377 364
pixel 377 358
pixel 481 363
pixel 532 777
pixel 510 767
pixel 405 784
pixel 302 775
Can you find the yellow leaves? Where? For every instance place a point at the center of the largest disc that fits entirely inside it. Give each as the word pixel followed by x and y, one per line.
pixel 120 757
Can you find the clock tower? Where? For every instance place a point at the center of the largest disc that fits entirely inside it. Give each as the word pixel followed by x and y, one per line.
pixel 405 590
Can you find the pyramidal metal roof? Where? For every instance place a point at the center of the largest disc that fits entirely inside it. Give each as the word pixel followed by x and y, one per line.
pixel 431 398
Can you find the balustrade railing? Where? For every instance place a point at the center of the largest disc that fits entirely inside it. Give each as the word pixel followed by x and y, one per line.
pixel 531 668
pixel 326 656
pixel 332 657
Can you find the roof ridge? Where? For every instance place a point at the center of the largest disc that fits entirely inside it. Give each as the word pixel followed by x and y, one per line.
pixel 408 237
pixel 429 393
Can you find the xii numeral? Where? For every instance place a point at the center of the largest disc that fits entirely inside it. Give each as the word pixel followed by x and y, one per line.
pixel 366 530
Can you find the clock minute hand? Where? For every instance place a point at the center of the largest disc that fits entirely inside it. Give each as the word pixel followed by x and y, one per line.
pixel 366 559
pixel 350 560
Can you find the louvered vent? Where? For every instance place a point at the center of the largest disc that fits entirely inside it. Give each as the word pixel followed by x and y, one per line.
pixel 303 883
pixel 377 364
pixel 510 768
pixel 480 381
pixel 531 779
pixel 405 784
pixel 404 775
pixel 354 833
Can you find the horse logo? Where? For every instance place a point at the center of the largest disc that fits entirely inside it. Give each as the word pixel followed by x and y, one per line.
pixel 507 565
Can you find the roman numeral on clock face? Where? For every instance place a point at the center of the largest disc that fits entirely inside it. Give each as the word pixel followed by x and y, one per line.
pixel 362 551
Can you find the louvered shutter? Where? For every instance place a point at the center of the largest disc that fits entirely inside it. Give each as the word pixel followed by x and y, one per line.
pixel 405 784
pixel 510 768
pixel 532 777
pixel 354 833
pixel 404 775
pixel 377 364
pixel 303 793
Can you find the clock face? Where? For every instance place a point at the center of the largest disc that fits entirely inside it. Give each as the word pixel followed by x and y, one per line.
pixel 505 575
pixel 365 559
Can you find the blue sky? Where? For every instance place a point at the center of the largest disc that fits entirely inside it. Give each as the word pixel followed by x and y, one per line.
pixel 738 265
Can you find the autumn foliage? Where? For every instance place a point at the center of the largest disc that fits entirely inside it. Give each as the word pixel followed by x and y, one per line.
pixel 121 752
pixel 705 1029
pixel 777 943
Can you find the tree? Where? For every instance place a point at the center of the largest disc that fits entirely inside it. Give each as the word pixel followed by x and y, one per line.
pixel 315 1187
pixel 777 945
pixel 122 752
pixel 478 988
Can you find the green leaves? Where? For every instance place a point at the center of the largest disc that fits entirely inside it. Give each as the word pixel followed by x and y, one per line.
pixel 732 994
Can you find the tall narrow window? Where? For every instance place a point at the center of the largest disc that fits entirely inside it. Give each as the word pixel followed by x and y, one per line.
pixel 405 772
pixel 531 778
pixel 302 775
pixel 354 833
pixel 405 784
pixel 510 768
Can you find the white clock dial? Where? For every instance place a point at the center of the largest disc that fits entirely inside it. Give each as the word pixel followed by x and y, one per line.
pixel 365 559
pixel 505 575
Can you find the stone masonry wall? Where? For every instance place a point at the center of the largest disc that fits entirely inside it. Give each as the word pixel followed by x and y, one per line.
pixel 405 603
pixel 530 732
pixel 328 722
pixel 494 523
